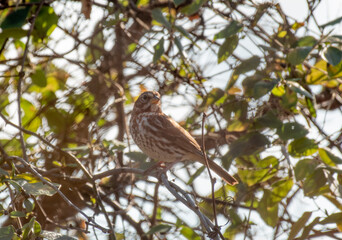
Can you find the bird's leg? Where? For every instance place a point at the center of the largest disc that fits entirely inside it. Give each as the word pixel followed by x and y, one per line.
pixel 160 165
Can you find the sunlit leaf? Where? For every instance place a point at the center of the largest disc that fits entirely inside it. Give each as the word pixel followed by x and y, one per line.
pixel 189 233
pixel 280 189
pixel 311 107
pixel 46 22
pixel 302 147
pixel 251 177
pixel 329 158
pixel 37 228
pixel 237 126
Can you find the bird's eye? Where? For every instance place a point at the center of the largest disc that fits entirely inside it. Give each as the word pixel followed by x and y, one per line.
pixel 144 97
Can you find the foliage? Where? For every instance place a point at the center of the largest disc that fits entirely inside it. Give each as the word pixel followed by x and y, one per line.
pixel 264 80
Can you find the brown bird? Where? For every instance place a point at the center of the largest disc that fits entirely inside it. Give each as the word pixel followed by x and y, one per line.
pixel 162 138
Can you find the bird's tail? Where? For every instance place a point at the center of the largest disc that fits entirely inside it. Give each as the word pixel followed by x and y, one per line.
pixel 222 173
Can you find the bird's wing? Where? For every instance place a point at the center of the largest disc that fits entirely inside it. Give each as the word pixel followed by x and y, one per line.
pixel 177 135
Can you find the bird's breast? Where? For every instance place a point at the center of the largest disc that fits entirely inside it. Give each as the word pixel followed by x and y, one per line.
pixel 152 140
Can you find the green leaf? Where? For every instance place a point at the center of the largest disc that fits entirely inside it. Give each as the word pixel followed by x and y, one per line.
pixel 193 7
pixel 16 214
pixel 178 2
pixel 299 225
pixel 27 228
pixel 298 55
pixel 267 209
pixel 7 232
pixel 15 18
pixel 332 55
pixel 159 228
pixel 280 189
pixel 182 30
pixel 307 41
pixel 213 96
pixel 308 229
pixel 315 183
pixel 3 172
pixel 39 78
pixel 295 86
pixel 261 88
pixel 252 177
pixel 302 147
pixel 291 131
pixel 37 228
pixel 305 168
pixel 46 22
pixel 246 145
pixel 227 48
pixel 247 65
pixel 332 218
pixel 289 99
pixel 269 120
pixel 311 106
pixel 232 29
pixel 15 33
pixel 189 233
pixel 39 188
pixel 333 22
pixel 157 15
pixel 28 205
pixel 196 174
pixel 158 50
pixel 329 158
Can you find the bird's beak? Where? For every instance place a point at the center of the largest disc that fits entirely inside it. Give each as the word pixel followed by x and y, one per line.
pixel 155 100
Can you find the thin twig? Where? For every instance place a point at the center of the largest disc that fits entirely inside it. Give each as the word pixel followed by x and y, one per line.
pixel 212 181
pixel 21 76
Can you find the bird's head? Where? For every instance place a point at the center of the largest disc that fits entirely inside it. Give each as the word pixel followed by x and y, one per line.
pixel 148 102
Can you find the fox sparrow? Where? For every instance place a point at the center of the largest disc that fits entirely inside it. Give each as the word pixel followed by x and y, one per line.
pixel 162 138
